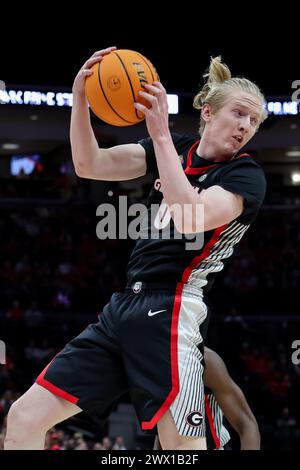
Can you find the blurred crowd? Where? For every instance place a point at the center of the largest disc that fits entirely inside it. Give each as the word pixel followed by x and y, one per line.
pixel 51 255
pixel 259 355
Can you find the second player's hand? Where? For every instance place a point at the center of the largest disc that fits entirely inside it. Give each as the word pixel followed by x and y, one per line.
pixel 85 71
pixel 157 116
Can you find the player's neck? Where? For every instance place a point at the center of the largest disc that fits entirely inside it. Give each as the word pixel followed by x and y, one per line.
pixel 209 150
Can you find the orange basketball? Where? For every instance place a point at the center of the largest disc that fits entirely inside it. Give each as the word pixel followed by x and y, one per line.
pixel 115 85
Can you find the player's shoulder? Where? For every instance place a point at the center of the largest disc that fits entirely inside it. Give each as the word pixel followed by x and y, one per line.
pixel 216 373
pixel 183 139
pixel 212 357
pixel 183 143
pixel 180 141
pixel 244 164
pixel 243 159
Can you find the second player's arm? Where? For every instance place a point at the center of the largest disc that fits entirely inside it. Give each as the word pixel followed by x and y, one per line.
pixel 232 401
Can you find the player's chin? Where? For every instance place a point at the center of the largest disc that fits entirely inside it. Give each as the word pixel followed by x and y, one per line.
pixel 231 149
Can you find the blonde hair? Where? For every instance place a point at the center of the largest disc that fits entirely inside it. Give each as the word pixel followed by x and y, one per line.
pixel 218 87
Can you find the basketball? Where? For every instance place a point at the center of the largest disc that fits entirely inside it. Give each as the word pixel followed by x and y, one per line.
pixel 115 84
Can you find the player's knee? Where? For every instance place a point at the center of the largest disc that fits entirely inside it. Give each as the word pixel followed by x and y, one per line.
pixel 21 420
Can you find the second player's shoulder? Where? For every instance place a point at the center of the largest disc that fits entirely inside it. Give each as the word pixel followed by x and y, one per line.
pixel 212 358
pixel 216 372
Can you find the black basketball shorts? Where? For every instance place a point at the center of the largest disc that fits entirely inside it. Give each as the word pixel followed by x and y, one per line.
pixel 147 342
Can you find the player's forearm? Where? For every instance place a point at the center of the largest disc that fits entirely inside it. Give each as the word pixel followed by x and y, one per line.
pixel 175 185
pixel 250 437
pixel 176 188
pixel 83 142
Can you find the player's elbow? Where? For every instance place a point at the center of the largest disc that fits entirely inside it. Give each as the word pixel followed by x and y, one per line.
pixel 215 217
pixel 81 169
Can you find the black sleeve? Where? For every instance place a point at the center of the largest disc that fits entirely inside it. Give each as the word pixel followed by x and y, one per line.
pixel 150 155
pixel 180 142
pixel 248 180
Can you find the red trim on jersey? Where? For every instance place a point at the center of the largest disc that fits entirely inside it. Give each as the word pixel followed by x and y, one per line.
pixel 190 154
pixel 205 252
pixel 195 171
pixel 198 171
pixel 53 388
pixel 211 423
pixel 174 363
pixel 242 155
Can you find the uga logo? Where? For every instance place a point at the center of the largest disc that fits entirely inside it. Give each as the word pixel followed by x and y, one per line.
pixel 194 419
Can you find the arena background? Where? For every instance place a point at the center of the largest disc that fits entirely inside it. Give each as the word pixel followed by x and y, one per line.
pixel 55 275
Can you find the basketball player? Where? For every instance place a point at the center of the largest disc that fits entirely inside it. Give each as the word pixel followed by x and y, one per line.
pixel 224 397
pixel 148 338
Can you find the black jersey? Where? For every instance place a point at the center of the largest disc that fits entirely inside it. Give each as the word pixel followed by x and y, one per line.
pixel 162 260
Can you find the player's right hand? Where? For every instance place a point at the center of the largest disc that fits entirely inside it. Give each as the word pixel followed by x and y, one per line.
pixel 85 71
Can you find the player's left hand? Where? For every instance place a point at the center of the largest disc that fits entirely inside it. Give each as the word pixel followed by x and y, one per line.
pixel 157 116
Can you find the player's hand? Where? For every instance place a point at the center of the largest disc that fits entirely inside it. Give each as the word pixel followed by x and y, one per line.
pixel 85 71
pixel 157 116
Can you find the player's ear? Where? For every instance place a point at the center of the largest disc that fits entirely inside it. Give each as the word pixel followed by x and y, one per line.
pixel 206 112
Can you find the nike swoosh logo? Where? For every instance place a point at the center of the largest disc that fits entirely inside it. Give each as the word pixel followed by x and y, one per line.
pixel 150 314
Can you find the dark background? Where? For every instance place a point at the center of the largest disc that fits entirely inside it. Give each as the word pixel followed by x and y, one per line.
pixel 46 46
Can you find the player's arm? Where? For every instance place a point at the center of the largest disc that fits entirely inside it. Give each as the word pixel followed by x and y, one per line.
pixel 232 401
pixel 122 162
pixel 220 206
pixel 216 205
pixel 119 163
